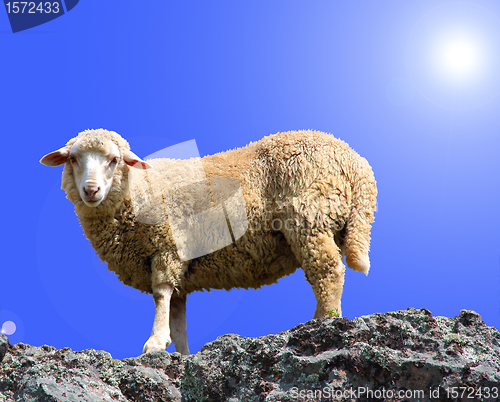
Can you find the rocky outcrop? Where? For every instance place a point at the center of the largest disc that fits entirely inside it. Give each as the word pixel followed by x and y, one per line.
pixel 404 355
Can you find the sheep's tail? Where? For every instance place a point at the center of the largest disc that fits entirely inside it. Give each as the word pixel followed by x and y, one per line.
pixel 364 203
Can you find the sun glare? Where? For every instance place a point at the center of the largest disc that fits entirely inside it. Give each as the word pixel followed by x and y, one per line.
pixel 453 56
pixel 459 57
pixel 8 328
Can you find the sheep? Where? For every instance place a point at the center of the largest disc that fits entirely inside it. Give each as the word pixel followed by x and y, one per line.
pixel 309 200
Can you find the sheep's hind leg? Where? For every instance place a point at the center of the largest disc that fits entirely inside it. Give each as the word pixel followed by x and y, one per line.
pixel 321 261
pixel 178 324
pixel 160 335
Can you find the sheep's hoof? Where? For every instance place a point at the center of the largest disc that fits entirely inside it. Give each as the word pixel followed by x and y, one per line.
pixel 153 348
pixel 154 345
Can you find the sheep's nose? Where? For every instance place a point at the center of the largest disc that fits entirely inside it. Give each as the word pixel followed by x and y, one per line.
pixel 91 191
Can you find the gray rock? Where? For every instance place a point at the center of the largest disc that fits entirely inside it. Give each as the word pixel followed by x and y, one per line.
pixel 369 358
pixel 4 345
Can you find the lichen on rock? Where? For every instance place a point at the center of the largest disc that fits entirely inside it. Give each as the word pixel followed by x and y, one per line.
pixel 396 351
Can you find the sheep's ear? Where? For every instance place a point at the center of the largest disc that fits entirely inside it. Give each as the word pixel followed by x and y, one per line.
pixel 133 160
pixel 55 158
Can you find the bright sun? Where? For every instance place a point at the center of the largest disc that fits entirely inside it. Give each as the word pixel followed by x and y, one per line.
pixel 453 56
pixel 459 57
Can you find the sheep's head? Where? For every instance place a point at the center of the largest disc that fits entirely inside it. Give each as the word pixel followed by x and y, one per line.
pixel 95 161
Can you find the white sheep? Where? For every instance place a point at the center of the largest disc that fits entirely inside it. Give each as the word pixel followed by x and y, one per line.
pixel 309 200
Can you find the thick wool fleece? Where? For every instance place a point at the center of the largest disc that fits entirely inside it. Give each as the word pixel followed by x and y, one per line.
pixel 309 200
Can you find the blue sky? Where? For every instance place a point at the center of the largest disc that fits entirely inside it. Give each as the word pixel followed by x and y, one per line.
pixel 229 72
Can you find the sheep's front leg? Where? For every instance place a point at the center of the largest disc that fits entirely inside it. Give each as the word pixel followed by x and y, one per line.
pixel 160 335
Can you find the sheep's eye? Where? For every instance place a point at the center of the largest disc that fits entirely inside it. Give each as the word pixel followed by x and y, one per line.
pixel 114 160
pixel 72 159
